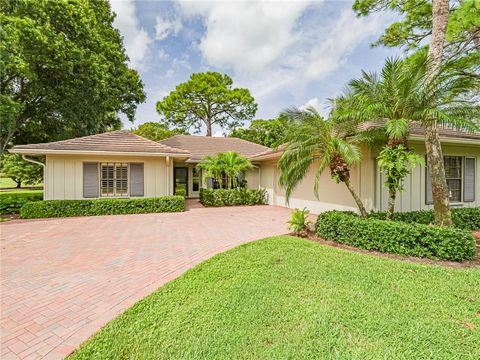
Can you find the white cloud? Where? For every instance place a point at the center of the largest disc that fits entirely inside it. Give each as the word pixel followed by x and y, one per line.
pixel 165 27
pixel 246 35
pixel 278 47
pixel 135 39
pixel 339 41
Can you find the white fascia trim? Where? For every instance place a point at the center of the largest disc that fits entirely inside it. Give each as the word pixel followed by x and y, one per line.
pixel 448 140
pixel 83 152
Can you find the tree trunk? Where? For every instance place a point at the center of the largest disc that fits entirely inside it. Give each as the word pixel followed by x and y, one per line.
pixel 392 195
pixel 357 199
pixel 209 129
pixel 441 204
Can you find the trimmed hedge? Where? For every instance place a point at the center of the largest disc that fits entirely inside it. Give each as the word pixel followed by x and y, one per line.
pixel 397 237
pixel 240 196
pixel 12 201
pixel 67 208
pixel 462 218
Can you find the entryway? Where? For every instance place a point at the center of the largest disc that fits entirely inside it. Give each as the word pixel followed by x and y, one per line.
pixel 187 178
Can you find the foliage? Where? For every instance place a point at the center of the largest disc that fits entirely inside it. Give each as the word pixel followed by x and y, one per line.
pixel 404 93
pixel 62 75
pixel 299 221
pixel 311 140
pixel 12 201
pixel 206 99
pixel 67 208
pixel 397 237
pixel 463 218
pixel 414 25
pixel 239 196
pixel 156 131
pixel 20 171
pixel 181 191
pixel 229 165
pixel 270 133
pixel 288 298
pixel 401 93
pixel 396 163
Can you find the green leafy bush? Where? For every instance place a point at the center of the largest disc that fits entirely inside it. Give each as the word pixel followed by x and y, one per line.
pixel 181 191
pixel 397 237
pixel 66 208
pixel 11 202
pixel 463 218
pixel 299 221
pixel 239 196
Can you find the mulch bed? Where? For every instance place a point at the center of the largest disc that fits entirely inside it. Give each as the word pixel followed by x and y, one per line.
pixel 311 235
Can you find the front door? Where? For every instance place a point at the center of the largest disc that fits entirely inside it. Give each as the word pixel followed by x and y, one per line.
pixel 180 180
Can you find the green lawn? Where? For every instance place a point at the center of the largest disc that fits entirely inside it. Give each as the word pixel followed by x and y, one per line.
pixel 7 183
pixel 288 298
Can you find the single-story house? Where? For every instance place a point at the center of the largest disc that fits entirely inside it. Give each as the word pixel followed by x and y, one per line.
pixel 122 164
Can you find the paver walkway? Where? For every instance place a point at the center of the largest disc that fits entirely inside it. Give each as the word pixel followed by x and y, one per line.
pixel 62 279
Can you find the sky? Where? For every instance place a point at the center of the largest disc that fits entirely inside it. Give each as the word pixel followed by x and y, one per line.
pixel 287 53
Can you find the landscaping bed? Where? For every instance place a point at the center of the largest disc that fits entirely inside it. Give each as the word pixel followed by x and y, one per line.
pixel 286 297
pixel 232 197
pixel 67 208
pixel 396 237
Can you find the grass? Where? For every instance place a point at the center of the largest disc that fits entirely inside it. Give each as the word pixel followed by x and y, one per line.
pixel 284 297
pixel 8 183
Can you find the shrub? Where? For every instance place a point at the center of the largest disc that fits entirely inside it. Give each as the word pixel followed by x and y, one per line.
pixel 397 237
pixel 240 196
pixel 181 192
pixel 11 202
pixel 66 208
pixel 299 221
pixel 463 218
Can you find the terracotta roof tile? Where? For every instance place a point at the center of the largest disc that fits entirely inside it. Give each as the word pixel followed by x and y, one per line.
pixel 199 146
pixel 114 141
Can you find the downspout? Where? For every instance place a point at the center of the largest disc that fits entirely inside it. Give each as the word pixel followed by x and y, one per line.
pixel 167 163
pixel 24 157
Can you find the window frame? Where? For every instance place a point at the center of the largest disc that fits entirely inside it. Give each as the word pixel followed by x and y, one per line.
pixel 100 178
pixel 462 178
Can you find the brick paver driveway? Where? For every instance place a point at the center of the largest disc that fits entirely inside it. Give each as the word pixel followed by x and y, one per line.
pixel 62 279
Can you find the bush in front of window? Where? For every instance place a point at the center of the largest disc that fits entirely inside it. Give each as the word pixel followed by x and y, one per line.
pixel 232 197
pixel 463 218
pixel 397 237
pixel 12 202
pixel 67 208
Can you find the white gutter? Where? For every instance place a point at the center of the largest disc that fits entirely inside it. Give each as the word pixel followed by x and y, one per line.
pixel 24 157
pixel 448 140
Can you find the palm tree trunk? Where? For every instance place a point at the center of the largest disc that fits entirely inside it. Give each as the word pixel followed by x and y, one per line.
pixel 440 13
pixel 392 195
pixel 357 199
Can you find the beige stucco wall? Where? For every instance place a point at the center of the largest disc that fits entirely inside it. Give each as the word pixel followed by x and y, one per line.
pixel 64 175
pixel 413 198
pixel 330 195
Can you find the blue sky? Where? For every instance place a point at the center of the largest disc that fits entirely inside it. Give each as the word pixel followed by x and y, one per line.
pixel 287 53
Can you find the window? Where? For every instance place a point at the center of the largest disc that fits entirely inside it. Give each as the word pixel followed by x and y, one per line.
pixel 114 179
pixel 453 174
pixel 460 176
pixel 195 179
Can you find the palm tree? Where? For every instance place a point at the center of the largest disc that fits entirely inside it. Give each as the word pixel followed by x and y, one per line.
pixel 404 94
pixel 312 139
pixel 229 164
pixel 233 165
